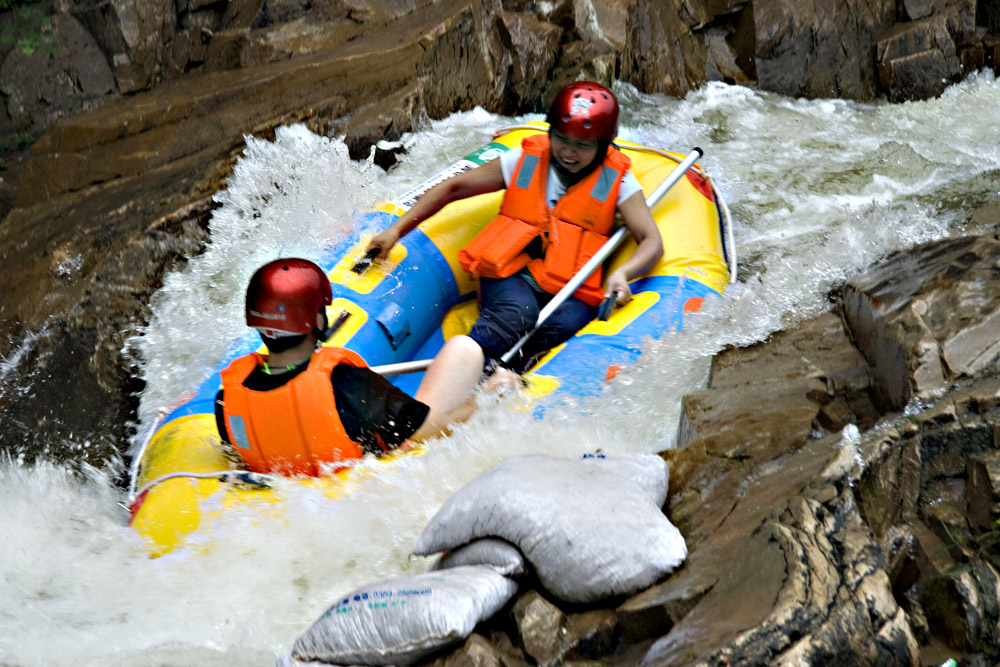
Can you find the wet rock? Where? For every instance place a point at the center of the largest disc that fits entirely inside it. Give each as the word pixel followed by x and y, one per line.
pixel 944 451
pixel 888 493
pixel 822 383
pixel 662 53
pixel 386 120
pixel 580 61
pixel 986 216
pixel 911 316
pixel 602 21
pixel 983 489
pixel 723 59
pixel 819 50
pixel 951 604
pixel 551 636
pixel 917 60
pixel 533 46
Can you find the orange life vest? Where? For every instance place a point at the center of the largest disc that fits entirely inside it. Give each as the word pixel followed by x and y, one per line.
pixel 572 232
pixel 294 429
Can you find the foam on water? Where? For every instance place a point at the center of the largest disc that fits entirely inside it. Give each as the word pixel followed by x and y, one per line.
pixel 818 189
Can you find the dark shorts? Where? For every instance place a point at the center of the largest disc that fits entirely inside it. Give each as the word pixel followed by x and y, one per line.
pixel 509 308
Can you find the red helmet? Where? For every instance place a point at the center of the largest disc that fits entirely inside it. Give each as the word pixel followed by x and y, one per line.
pixel 585 110
pixel 284 296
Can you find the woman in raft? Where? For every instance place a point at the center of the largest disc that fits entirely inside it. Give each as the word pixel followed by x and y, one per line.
pixel 562 193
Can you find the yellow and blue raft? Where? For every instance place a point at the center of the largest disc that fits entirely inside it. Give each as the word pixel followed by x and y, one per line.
pixel 404 308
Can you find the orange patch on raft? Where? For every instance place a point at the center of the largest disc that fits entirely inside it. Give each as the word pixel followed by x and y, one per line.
pixel 612 372
pixel 693 305
pixel 701 184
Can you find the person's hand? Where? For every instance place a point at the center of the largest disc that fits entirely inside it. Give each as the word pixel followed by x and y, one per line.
pixel 383 242
pixel 617 285
pixel 501 380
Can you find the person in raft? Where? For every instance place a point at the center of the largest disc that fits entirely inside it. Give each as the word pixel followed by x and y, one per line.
pixel 562 192
pixel 305 408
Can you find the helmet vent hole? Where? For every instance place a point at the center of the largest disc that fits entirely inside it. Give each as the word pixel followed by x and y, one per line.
pixel 586 124
pixel 566 118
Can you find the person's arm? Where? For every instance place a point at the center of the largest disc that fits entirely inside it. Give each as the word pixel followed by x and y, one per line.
pixel 449 385
pixel 639 221
pixel 374 412
pixel 482 179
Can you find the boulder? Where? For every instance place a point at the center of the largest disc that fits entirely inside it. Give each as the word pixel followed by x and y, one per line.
pixel 917 60
pixel 74 80
pixel 662 53
pixel 817 49
pixel 817 381
pixel 532 45
pixel 926 317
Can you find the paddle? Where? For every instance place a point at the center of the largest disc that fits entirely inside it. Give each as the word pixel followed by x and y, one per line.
pixel 599 257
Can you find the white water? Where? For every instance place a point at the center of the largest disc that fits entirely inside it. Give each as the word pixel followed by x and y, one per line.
pixel 818 189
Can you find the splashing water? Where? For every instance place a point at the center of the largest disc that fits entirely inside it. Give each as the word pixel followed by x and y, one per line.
pixel 819 190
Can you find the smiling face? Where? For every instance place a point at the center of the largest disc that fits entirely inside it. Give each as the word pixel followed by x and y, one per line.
pixel 572 154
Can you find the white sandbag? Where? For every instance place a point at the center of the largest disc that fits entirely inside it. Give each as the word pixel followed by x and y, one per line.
pixel 648 472
pixel 398 621
pixel 591 528
pixel 501 556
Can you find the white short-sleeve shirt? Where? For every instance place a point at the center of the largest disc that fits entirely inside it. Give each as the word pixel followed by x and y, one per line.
pixel 554 188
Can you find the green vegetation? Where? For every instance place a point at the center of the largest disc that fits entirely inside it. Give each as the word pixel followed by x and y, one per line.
pixel 16 140
pixel 26 26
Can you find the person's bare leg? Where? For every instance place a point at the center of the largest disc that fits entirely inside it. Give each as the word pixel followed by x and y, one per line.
pixel 449 385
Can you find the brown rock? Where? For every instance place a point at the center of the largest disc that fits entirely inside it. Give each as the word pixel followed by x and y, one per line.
pixel 817 49
pixel 917 60
pixel 951 604
pixel 986 217
pixel 385 119
pixel 590 635
pixel 723 59
pixel 477 651
pixel 945 450
pixel 822 382
pixel 539 625
pixel 533 46
pixel 737 423
pixel 904 313
pixel 662 54
pixel 888 492
pixel 602 21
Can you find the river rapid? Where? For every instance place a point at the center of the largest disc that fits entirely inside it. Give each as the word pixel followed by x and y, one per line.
pixel 819 190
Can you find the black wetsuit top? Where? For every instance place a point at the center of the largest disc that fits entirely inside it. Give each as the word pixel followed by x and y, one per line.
pixel 375 413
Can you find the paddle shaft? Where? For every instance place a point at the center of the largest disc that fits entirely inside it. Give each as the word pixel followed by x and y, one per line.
pixel 574 283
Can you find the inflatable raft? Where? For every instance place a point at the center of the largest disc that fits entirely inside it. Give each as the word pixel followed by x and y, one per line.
pixel 403 309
